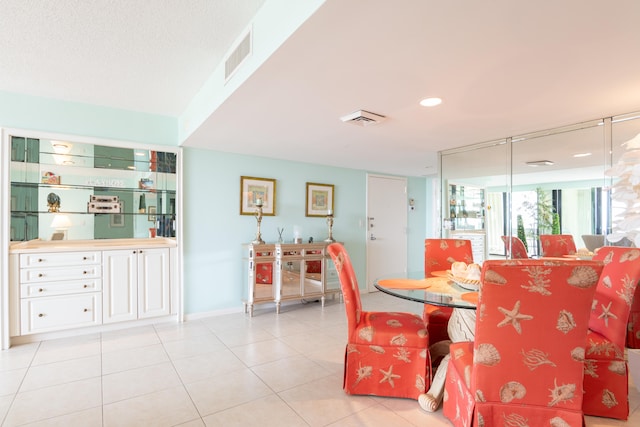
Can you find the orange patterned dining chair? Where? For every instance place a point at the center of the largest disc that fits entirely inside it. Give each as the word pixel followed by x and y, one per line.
pixel 633 326
pixel 387 352
pixel 606 376
pixel 439 254
pixel 557 245
pixel 525 367
pixel 518 251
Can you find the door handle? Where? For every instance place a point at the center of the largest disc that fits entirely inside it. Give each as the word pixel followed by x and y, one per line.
pixel 372 237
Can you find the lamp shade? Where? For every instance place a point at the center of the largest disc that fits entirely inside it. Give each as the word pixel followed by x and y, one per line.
pixel 61 222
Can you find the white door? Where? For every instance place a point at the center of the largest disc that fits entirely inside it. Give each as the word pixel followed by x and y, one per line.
pixel 386 227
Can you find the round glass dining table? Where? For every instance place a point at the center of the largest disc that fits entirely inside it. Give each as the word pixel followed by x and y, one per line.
pixel 439 290
pixel 443 291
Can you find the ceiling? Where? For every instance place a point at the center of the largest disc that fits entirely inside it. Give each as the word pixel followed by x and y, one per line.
pixel 502 68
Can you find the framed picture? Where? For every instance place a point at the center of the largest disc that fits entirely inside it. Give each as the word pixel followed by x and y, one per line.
pixel 151 210
pixel 319 199
pixel 252 189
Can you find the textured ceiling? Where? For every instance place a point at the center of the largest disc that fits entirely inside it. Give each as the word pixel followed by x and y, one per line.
pixel 143 55
pixel 503 68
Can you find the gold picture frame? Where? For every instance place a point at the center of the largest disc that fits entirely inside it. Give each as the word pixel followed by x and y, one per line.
pixel 319 199
pixel 252 189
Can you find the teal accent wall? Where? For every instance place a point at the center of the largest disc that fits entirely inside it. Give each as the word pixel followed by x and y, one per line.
pixel 214 230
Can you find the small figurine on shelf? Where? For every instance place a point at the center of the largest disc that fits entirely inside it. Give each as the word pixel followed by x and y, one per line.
pixel 330 226
pixel 280 231
pixel 53 202
pixel 258 240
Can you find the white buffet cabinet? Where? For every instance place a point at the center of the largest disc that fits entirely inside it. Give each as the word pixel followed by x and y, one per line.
pixel 64 285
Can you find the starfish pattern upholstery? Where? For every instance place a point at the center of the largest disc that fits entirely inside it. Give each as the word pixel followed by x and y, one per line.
pixel 525 365
pixel 387 353
pixel 518 251
pixel 606 376
pixel 556 245
pixel 439 254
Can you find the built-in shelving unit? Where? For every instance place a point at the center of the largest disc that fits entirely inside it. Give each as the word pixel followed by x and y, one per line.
pixel 141 181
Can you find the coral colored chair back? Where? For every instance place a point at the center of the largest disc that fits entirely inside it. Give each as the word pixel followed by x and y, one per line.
pixel 518 251
pixel 348 284
pixel 557 245
pixel 387 353
pixel 439 254
pixel 530 337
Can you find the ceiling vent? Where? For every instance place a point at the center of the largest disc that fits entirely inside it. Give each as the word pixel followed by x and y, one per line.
pixel 363 118
pixel 241 52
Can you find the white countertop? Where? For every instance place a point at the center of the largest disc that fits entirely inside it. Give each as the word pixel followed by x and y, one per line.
pixel 83 245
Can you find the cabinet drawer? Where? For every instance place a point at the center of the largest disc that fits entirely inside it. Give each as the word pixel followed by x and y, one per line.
pixel 62 312
pixel 45 289
pixel 31 275
pixel 59 259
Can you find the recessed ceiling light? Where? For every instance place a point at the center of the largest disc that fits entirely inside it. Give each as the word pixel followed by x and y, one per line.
pixel 582 155
pixel 430 102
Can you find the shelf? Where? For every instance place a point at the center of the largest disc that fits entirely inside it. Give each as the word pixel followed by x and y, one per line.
pixel 75 172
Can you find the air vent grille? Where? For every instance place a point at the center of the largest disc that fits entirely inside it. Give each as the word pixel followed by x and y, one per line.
pixel 237 56
pixel 363 118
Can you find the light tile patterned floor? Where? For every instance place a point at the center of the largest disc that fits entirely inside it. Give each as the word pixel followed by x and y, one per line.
pixel 231 370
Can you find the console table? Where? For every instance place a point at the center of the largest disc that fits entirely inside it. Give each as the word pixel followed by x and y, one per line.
pixel 279 272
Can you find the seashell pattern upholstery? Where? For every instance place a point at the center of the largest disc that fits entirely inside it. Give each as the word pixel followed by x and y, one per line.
pixel 387 352
pixel 556 245
pixel 525 365
pixel 606 382
pixel 518 251
pixel 439 255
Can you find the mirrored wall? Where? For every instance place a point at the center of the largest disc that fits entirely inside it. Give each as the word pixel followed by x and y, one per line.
pixel 527 180
pixel 81 191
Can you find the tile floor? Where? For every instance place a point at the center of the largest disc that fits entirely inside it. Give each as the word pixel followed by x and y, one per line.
pixel 231 370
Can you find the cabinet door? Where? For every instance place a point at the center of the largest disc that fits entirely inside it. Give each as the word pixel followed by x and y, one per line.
pixel 120 290
pixel 153 282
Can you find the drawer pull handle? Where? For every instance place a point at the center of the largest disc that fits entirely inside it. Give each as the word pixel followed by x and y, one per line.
pixel 85 286
pixel 40 275
pixel 40 260
pixel 86 309
pixel 41 315
pixel 40 290
pixel 84 258
pixel 84 272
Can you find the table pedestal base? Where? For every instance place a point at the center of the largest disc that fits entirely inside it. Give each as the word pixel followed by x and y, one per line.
pixel 461 327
